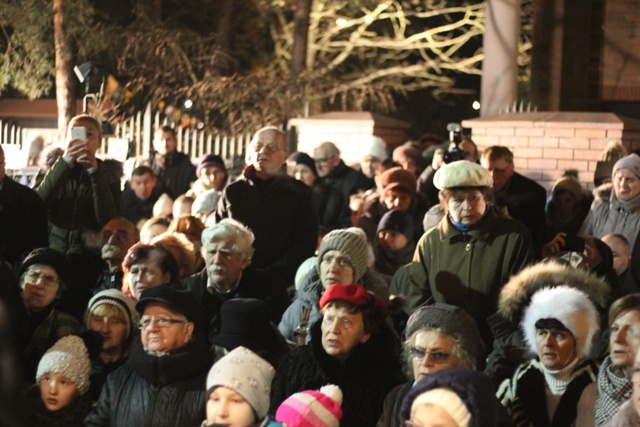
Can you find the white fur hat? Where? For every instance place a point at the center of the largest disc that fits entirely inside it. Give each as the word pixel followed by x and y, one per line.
pixel 569 306
pixel 374 146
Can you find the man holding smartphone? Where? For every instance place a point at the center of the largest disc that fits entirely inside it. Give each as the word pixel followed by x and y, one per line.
pixel 79 201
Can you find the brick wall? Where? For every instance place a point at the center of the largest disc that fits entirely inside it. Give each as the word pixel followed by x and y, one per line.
pixel 545 144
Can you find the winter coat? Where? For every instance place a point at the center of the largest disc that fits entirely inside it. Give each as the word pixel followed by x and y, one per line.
pixel 468 269
pixel 135 209
pixel 175 172
pixel 309 294
pixel 626 416
pixel 280 213
pixel 72 416
pixel 526 200
pixel 509 350
pixel 347 180
pixel 524 395
pixel 613 216
pixel 365 378
pixel 156 391
pixel 77 201
pixel 331 205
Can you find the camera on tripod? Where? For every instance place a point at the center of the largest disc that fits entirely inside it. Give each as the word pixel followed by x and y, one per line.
pixel 455 137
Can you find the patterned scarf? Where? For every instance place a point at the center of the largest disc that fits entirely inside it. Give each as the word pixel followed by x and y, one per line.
pixel 614 388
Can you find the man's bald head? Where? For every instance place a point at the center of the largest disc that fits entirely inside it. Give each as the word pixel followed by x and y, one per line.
pixel 267 151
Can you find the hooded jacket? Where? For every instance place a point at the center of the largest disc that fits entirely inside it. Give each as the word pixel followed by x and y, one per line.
pixel 612 216
pixel 309 294
pixel 156 391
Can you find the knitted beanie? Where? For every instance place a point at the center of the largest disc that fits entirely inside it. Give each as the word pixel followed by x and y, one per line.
pixel 374 146
pixel 569 306
pixel 119 300
pixel 210 160
pixel 300 158
pixel 246 373
pixel 398 221
pixel 68 357
pixel 447 400
pixel 631 162
pixel 352 242
pixel 311 408
pixel 451 320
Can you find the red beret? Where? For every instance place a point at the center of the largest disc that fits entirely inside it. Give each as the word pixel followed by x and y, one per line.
pixel 356 295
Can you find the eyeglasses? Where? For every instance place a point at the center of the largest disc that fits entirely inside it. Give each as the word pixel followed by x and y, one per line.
pixel 435 356
pixel 325 160
pixel 46 279
pixel 268 148
pixel 162 322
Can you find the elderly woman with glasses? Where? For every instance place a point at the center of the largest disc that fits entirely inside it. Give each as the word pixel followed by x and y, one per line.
pixel 163 382
pixel 42 278
pixel 439 336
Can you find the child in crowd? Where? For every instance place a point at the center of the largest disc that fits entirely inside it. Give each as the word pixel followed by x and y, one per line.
pixel 312 408
pixel 59 397
pixel 238 386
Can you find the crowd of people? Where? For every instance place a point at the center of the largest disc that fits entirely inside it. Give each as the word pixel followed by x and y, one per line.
pixel 411 289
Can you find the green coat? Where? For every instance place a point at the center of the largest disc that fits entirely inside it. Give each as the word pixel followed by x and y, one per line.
pixel 77 201
pixel 468 269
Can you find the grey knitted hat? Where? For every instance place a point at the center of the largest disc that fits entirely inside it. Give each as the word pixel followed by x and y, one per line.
pixel 246 373
pixel 352 242
pixel 68 357
pixel 631 162
pixel 451 320
pixel 118 300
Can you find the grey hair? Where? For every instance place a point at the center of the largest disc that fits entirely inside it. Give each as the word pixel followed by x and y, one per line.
pixel 248 157
pixel 465 360
pixel 330 147
pixel 231 229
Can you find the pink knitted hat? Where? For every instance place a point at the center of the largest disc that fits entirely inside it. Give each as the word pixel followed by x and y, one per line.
pixel 311 408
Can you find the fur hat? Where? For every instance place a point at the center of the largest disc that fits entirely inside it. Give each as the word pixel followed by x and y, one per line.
pixel 374 146
pixel 352 242
pixel 611 154
pixel 210 160
pixel 311 408
pixel 246 373
pixel 474 389
pixel 452 321
pixel 398 221
pixel 68 357
pixel 631 162
pixel 570 307
pixel 397 178
pixel 47 256
pixel 462 174
pixel 120 301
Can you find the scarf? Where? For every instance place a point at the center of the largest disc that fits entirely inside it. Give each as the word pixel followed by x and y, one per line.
pixel 614 388
pixel 465 228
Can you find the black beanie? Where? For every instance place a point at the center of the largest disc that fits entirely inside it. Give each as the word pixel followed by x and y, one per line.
pixel 398 221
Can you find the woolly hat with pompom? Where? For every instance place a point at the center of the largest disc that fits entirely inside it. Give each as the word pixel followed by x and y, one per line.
pixel 311 408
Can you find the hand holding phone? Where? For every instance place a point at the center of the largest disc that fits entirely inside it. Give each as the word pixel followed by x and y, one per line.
pixel 77 145
pixel 79 132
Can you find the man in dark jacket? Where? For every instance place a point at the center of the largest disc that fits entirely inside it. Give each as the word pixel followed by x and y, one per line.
pixel 140 193
pixel 335 173
pixel 277 208
pixel 227 248
pixel 524 198
pixel 23 222
pixel 173 168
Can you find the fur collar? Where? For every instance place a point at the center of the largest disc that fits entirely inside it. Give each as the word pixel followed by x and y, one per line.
pixel 516 294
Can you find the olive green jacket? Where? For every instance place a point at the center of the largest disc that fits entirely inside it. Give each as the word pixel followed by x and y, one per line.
pixel 468 269
pixel 77 202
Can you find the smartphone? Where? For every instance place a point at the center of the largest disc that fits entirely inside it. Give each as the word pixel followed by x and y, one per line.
pixel 79 132
pixel 573 244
